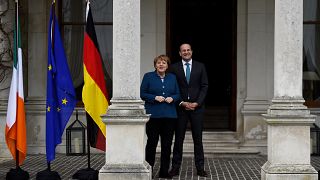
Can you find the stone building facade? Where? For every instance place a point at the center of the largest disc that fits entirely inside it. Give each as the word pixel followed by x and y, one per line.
pixel 267 79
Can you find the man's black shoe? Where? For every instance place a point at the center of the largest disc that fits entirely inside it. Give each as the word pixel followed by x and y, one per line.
pixel 202 173
pixel 174 172
pixel 166 176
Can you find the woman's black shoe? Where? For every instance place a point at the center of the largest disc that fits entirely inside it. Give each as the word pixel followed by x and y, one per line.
pixel 174 172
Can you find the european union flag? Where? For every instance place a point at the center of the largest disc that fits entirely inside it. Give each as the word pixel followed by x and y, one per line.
pixel 61 96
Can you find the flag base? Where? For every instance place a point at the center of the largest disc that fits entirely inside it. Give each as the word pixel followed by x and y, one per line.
pixel 86 174
pixel 48 175
pixel 17 174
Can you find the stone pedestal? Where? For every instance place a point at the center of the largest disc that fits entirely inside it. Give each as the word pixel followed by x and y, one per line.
pixel 125 172
pixel 288 142
pixel 280 172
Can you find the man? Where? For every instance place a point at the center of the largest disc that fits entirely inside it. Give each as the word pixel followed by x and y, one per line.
pixel 193 83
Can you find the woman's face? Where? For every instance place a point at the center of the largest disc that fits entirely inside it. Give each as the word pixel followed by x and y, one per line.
pixel 161 66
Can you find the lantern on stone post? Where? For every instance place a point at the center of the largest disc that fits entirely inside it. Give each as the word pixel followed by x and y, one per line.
pixel 76 138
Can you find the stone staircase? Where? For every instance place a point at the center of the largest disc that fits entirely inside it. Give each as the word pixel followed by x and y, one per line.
pixel 221 142
pixel 214 143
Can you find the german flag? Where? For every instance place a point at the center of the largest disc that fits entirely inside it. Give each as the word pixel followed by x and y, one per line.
pixel 94 92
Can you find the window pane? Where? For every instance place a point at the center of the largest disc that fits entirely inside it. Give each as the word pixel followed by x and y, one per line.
pixel 311 10
pixel 74 10
pixel 73 43
pixel 102 10
pixel 104 36
pixel 311 62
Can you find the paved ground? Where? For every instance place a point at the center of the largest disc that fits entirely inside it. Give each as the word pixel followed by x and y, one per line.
pixel 222 167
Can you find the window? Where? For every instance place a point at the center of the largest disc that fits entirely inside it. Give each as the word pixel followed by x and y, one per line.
pixel 311 53
pixel 73 27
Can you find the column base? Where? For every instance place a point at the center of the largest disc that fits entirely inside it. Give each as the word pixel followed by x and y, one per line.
pixel 288 172
pixel 125 172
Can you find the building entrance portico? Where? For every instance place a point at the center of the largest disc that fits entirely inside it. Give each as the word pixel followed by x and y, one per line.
pixel 266 41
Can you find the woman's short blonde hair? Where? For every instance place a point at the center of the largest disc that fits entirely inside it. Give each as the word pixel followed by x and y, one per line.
pixel 161 57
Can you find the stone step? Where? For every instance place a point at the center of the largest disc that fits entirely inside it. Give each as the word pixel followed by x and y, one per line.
pixel 216 143
pixel 222 142
pixel 214 135
pixel 213 151
pixel 226 136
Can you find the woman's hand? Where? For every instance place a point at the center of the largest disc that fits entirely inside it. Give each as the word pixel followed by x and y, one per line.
pixel 169 99
pixel 159 98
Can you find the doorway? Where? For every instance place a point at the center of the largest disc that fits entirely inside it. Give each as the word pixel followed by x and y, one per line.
pixel 210 27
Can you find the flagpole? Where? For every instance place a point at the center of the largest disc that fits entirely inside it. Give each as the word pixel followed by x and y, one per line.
pixel 89 156
pixel 52 45
pixel 88 147
pixel 53 24
pixel 49 165
pixel 17 159
pixel 16 47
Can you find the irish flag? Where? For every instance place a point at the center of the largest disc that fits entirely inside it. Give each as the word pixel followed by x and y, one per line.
pixel 16 119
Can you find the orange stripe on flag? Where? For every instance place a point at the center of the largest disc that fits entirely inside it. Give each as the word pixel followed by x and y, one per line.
pixel 16 135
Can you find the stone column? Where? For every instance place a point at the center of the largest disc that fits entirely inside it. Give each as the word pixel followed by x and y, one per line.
pixel 126 117
pixel 35 96
pixel 287 118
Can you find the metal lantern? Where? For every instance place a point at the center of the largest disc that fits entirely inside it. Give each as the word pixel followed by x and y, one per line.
pixel 76 138
pixel 315 137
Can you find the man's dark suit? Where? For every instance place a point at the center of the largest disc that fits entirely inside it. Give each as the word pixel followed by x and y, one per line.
pixel 195 91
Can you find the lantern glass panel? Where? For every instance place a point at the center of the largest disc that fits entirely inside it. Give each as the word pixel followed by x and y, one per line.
pixel 76 142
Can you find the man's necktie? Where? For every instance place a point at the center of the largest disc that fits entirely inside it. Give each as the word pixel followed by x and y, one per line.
pixel 188 72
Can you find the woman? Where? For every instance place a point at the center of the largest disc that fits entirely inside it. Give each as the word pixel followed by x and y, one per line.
pixel 160 92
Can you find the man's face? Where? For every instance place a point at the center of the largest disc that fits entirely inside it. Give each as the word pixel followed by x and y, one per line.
pixel 185 52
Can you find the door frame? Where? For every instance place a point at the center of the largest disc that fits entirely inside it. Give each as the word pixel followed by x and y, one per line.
pixel 170 50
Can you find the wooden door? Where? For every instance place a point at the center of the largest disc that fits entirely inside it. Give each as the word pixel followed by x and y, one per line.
pixel 210 27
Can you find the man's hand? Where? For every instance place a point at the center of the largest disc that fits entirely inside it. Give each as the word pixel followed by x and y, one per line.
pixel 189 105
pixel 193 105
pixel 159 98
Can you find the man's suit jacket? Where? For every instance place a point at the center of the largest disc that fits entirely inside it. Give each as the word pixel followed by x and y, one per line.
pixel 197 88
